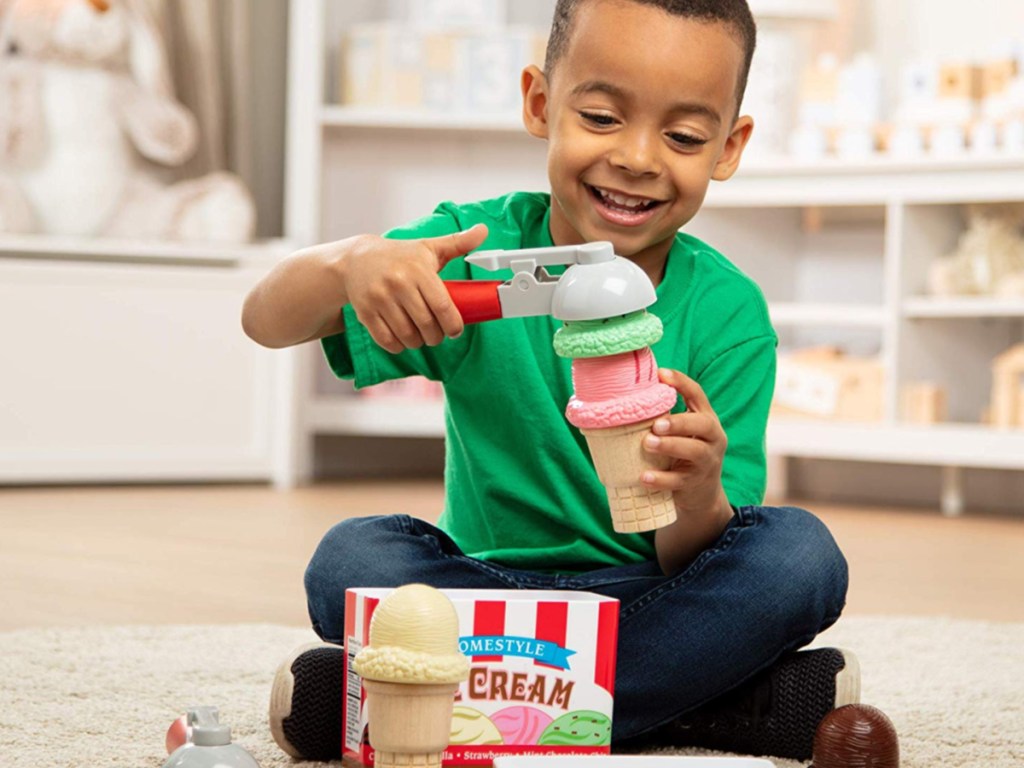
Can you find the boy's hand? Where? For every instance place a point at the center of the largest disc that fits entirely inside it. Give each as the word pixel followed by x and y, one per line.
pixel 394 289
pixel 696 442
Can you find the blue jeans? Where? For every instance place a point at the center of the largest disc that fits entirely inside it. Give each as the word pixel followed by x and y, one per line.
pixel 774 579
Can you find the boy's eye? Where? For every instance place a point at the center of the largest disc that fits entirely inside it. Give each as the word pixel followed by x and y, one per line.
pixel 598 118
pixel 686 139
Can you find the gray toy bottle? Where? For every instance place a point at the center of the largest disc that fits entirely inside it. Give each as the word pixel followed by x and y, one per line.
pixel 210 745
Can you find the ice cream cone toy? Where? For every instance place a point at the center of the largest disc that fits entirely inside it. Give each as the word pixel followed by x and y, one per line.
pixel 617 398
pixel 411 671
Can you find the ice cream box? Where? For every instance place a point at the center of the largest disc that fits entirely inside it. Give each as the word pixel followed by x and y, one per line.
pixel 632 762
pixel 541 681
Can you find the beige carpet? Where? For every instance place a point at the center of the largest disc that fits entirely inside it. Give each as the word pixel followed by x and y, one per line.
pixel 105 696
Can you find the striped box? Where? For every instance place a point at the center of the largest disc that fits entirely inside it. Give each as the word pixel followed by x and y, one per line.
pixel 541 679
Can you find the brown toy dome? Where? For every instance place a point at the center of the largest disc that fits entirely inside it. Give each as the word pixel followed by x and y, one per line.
pixel 856 736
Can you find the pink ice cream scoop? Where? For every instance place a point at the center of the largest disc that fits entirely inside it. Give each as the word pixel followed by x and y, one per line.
pixel 617 389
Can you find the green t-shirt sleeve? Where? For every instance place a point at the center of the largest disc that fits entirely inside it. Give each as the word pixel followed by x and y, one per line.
pixel 354 355
pixel 740 383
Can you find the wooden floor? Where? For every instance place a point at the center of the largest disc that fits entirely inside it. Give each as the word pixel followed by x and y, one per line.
pixel 236 554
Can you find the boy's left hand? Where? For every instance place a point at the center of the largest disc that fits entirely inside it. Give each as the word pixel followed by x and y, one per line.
pixel 696 442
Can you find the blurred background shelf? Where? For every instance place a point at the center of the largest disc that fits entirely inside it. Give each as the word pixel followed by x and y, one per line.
pixel 124 250
pixel 831 315
pixel 958 445
pixel 338 116
pixel 964 306
pixel 377 416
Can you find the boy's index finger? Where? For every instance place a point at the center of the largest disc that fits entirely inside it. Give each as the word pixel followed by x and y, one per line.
pixel 693 395
pixel 448 247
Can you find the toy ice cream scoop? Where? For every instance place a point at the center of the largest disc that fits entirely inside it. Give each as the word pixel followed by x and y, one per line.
pixel 602 300
pixel 209 744
pixel 411 671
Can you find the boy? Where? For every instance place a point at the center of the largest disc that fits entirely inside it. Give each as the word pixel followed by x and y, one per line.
pixel 639 105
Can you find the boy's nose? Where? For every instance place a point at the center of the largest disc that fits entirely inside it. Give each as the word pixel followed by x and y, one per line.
pixel 637 154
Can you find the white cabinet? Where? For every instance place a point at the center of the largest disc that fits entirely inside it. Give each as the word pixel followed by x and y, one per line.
pixel 840 249
pixel 127 362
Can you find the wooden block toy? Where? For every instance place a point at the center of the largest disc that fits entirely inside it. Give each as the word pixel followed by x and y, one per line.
pixel 382 64
pixel 1007 378
pixel 996 77
pixel 824 383
pixel 820 83
pixel 960 81
pixel 923 402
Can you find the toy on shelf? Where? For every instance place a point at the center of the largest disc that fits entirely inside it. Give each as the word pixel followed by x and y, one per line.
pixel 209 744
pixel 824 383
pixel 469 65
pixel 840 108
pixel 989 256
pixel 856 736
pixel 924 402
pixel 1007 407
pixel 602 300
pixel 411 671
pixel 943 109
pixel 89 126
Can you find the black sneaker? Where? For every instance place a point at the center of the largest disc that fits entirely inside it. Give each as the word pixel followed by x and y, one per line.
pixel 775 714
pixel 305 702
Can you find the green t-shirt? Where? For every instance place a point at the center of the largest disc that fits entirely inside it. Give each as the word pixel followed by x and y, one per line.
pixel 520 486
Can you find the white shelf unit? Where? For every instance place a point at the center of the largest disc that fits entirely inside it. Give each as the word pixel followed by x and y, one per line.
pixel 854 278
pixel 131 365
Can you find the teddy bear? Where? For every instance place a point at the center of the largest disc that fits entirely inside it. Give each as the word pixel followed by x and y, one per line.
pixel 988 258
pixel 90 128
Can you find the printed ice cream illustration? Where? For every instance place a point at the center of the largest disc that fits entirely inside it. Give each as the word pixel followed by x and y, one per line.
pixel 411 670
pixel 521 724
pixel 617 399
pixel 471 726
pixel 582 729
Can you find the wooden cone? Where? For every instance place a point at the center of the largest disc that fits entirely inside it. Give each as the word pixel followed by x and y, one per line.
pixel 620 460
pixel 410 723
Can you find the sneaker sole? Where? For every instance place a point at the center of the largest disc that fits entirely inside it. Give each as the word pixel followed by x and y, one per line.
pixel 281 695
pixel 848 680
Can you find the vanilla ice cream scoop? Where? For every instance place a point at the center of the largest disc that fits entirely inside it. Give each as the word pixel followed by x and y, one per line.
pixel 414 638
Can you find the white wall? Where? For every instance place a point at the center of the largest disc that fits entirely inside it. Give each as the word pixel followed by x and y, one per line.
pixel 948 29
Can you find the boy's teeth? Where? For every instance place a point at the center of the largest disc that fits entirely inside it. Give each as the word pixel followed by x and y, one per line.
pixel 626 202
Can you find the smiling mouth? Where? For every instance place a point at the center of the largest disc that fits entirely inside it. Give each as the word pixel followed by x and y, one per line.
pixel 618 201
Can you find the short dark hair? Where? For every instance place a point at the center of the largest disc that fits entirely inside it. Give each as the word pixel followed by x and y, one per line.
pixel 735 13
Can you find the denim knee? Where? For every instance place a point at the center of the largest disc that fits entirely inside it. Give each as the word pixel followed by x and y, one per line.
pixel 349 555
pixel 814 575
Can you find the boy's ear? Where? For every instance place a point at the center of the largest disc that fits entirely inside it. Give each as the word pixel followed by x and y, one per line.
pixel 535 101
pixel 734 145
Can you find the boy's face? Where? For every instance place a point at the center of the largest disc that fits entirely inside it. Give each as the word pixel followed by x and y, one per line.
pixel 639 117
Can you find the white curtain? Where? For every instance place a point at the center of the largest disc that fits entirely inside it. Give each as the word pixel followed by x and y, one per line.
pixel 210 54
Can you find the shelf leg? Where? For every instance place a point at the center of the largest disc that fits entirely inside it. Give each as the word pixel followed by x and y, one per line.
pixel 952 491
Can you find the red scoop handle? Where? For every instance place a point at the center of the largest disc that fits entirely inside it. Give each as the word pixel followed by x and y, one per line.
pixel 476 300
